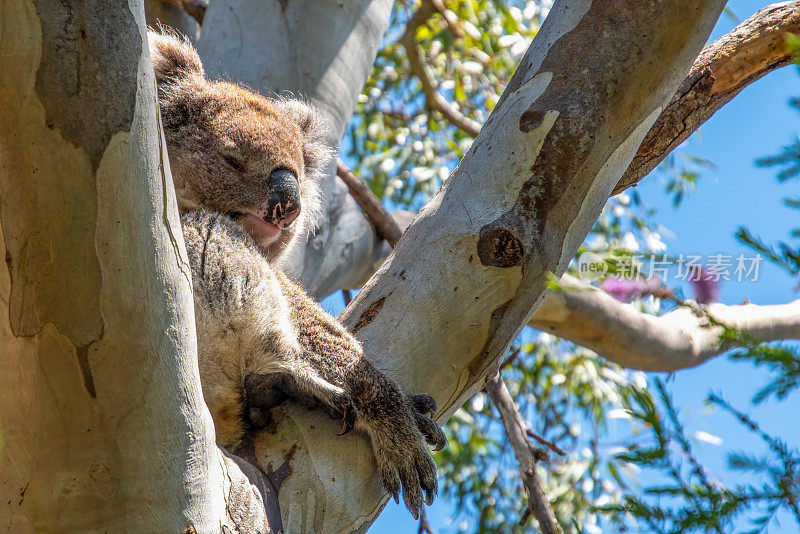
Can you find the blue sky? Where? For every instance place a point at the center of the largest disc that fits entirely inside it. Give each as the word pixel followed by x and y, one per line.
pixel 758 122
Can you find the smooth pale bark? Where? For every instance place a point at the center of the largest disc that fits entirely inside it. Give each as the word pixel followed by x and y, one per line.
pixel 526 194
pixel 321 51
pixel 751 50
pixel 618 332
pixel 592 318
pixel 102 422
pixel 679 339
pixel 470 270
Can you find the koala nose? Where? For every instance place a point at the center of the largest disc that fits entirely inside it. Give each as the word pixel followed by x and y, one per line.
pixel 283 205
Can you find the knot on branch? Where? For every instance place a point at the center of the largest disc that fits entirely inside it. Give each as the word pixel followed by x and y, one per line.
pixel 530 120
pixel 499 247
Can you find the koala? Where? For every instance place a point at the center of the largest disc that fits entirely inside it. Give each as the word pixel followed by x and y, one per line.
pixel 245 169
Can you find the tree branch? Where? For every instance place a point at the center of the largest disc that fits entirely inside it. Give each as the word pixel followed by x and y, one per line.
pixel 424 525
pixel 370 205
pixel 679 339
pixel 526 454
pixel 433 98
pixel 546 442
pixel 472 267
pixel 758 41
pixel 438 315
pixel 617 331
pixel 495 388
pixel 732 62
pixel 448 16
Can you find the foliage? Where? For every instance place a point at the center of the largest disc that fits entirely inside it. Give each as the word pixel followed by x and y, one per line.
pixel 402 148
pixel 570 397
pixel 680 172
pixel 689 499
pixel 784 254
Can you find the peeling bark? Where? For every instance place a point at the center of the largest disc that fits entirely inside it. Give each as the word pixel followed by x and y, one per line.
pixel 731 63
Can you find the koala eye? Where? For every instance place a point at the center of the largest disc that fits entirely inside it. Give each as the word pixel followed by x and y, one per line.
pixel 233 162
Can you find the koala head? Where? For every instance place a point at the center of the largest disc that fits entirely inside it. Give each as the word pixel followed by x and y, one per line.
pixel 236 152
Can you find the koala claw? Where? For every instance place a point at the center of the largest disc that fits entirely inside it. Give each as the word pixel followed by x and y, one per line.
pixel 340 407
pixel 348 418
pixel 433 434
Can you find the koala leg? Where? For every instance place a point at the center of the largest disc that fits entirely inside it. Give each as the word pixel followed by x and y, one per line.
pixel 398 426
pixel 262 340
pixel 300 384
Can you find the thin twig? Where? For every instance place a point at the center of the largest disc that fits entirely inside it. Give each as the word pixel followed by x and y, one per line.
pixel 433 98
pixel 546 442
pixel 347 296
pixel 449 17
pixel 511 357
pixel 424 526
pixel 370 204
pixel 526 454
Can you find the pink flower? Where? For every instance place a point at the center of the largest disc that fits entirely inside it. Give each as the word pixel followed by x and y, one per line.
pixel 704 284
pixel 625 290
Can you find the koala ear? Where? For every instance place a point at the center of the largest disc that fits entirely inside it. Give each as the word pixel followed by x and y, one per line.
pixel 316 152
pixel 174 58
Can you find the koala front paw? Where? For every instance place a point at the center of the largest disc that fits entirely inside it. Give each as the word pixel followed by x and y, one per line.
pixel 406 464
pixel 400 449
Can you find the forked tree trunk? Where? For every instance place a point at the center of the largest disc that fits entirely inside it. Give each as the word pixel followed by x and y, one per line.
pixel 102 423
pixel 321 51
pixel 100 409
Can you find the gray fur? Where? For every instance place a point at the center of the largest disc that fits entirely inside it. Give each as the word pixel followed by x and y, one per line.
pixel 261 339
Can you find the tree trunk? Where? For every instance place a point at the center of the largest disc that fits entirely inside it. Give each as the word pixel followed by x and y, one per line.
pixel 102 422
pixel 100 410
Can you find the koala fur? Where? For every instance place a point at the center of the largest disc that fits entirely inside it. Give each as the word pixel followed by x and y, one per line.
pixel 261 339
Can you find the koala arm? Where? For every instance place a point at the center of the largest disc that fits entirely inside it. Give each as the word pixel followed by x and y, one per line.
pixel 398 425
